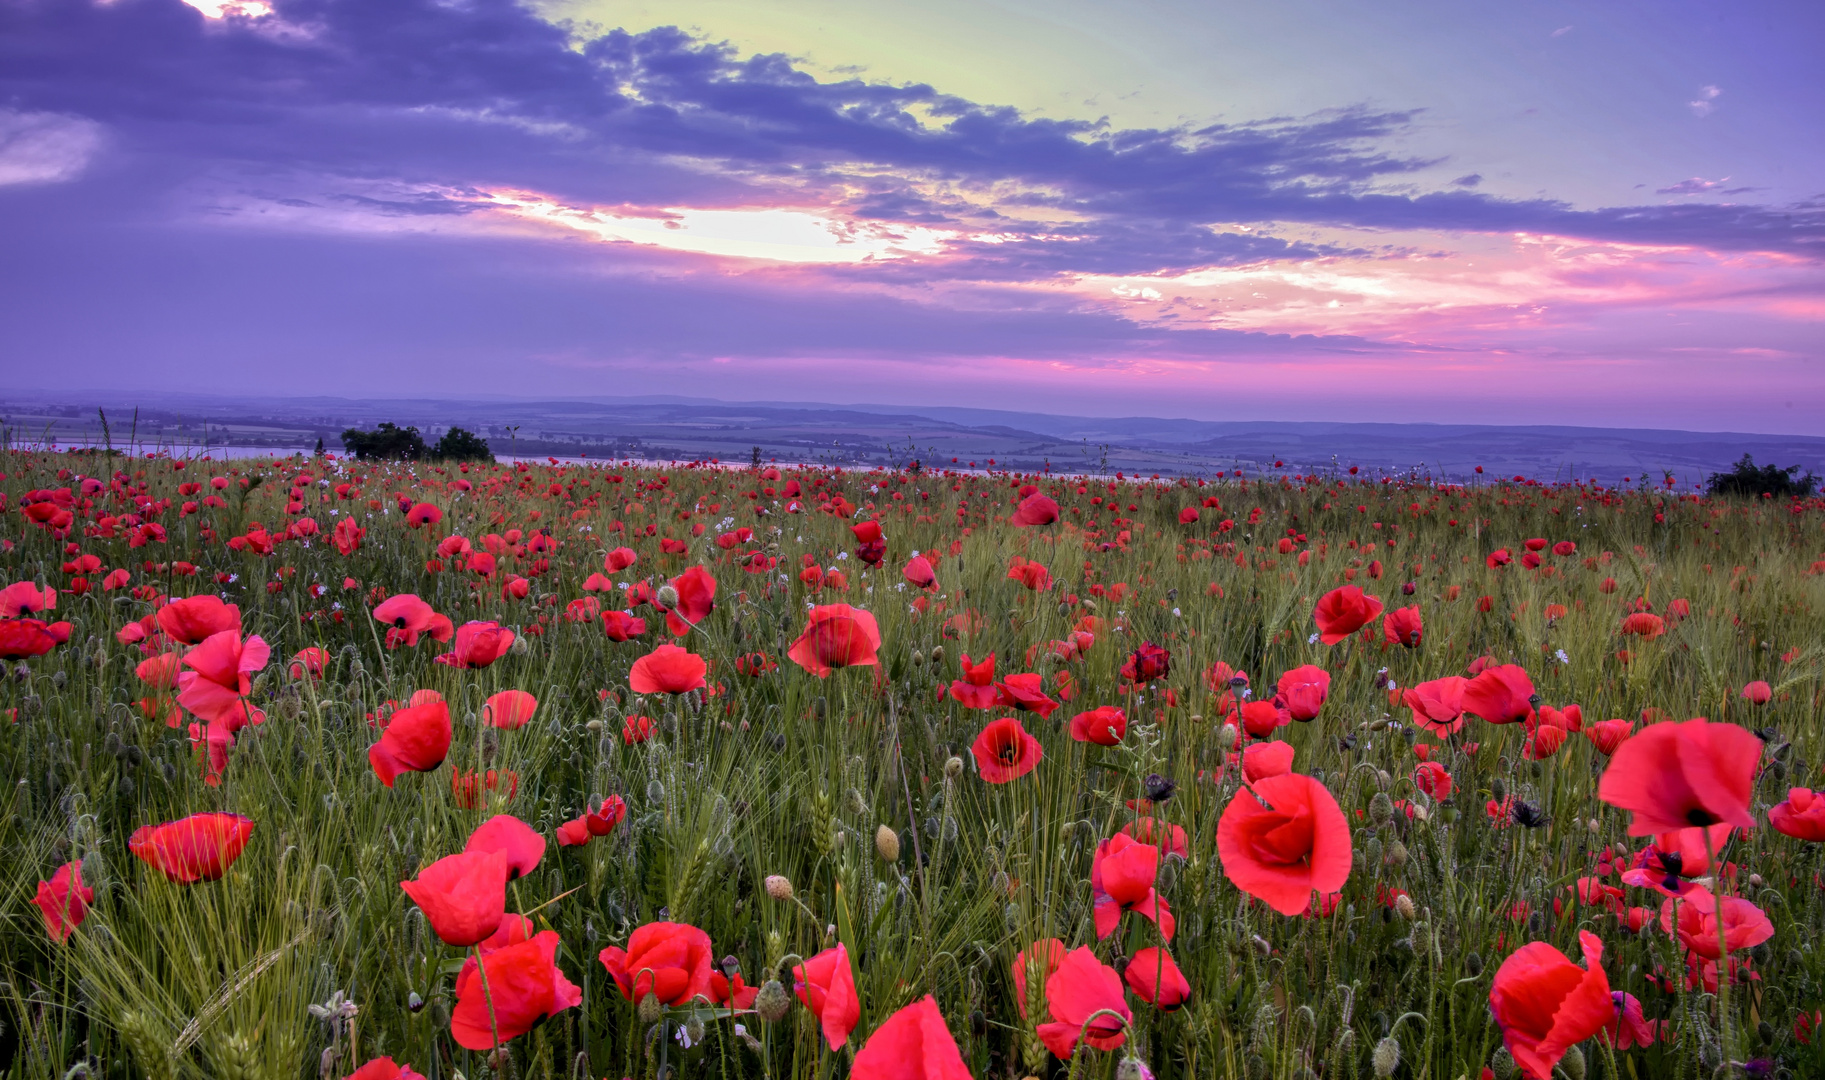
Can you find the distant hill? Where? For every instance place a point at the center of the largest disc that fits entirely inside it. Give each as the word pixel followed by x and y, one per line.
pixel 682 428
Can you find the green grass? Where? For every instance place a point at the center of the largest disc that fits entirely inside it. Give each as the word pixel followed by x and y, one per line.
pixel 792 775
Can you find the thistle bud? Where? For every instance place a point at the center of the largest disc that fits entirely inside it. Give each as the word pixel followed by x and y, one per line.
pixel 887 844
pixel 778 887
pixel 666 596
pixel 1386 1057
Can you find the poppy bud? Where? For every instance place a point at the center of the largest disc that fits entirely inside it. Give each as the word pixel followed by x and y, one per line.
pixel 693 1029
pixel 772 1002
pixel 937 654
pixel 1573 1063
pixel 779 888
pixel 1133 1069
pixel 820 708
pixel 1387 1057
pixel 1226 736
pixel 414 1003
pixel 918 659
pixel 1397 858
pixel 953 768
pixel 651 1009
pixel 1409 589
pixel 1381 809
pixel 1404 905
pixel 1473 965
pixel 887 844
pixel 666 596
pixel 1502 1064
pixel 1498 790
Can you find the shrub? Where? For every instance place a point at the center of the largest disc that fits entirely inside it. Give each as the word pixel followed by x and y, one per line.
pixel 1750 481
pixel 385 442
pixel 459 444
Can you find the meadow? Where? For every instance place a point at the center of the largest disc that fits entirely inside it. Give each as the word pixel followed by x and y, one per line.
pixel 805 772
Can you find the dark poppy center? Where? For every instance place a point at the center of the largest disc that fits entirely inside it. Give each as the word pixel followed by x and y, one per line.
pixel 1010 754
pixel 1699 817
pixel 400 622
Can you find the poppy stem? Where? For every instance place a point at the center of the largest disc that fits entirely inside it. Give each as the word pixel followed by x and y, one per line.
pixel 494 1026
pixel 1723 949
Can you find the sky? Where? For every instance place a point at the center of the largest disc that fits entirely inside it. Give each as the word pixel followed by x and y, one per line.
pixel 1400 210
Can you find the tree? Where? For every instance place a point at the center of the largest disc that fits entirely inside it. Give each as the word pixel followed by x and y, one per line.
pixel 386 441
pixel 458 444
pixel 1747 480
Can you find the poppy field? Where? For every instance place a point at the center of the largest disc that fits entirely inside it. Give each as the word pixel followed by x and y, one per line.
pixel 330 768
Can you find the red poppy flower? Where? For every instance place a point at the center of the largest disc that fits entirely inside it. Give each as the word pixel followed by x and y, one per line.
pixel 64 901
pixel 22 639
pixel 1500 694
pixel 1004 751
pixel 976 690
pixel 478 644
pixel 1802 816
pixel 1644 625
pixel 310 660
pixel 1607 735
pixel 1431 778
pixel 24 598
pixel 1545 1004
pixel 1104 726
pixel 200 847
pixel 1758 693
pixel 463 896
pixel 219 678
pixel 1033 966
pixel 1630 1028
pixel 1261 719
pixel 408 617
pixel 619 559
pixel 417 739
pixel 1343 611
pixel 1171 839
pixel 509 709
pixel 826 985
pixel 637 729
pixel 1025 693
pixel 836 636
pixel 598 822
pixel 667 670
pixel 621 625
pixel 1543 741
pixel 1122 873
pixel 1694 918
pixel 518 841
pixel 1031 574
pixel 1683 775
pixel 1147 663
pixel 195 618
pixel 384 1068
pixel 918 573
pixel 912 1044
pixel 1082 987
pixel 1403 627
pixel 1265 759
pixel 1281 855
pixel 1302 691
pixel 1157 980
pixel 670 961
pixel 1035 509
pixel 518 986
pixel 1438 705
pixel 696 589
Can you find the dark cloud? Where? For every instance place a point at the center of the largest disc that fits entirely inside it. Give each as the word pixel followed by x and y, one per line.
pixel 484 92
